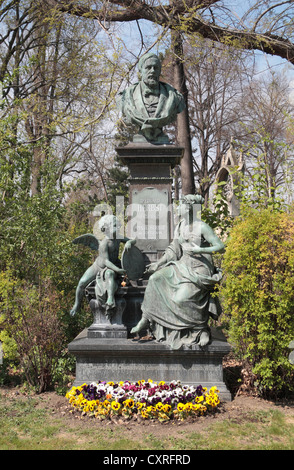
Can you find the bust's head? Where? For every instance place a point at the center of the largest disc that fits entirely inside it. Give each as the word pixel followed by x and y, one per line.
pixel 150 69
pixel 168 103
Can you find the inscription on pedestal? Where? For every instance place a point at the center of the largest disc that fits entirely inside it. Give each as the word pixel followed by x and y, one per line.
pixel 150 219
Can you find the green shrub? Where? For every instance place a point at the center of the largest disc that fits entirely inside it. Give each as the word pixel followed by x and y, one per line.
pixel 32 330
pixel 258 296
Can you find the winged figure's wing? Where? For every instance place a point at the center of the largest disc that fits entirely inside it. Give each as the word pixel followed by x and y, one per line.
pixel 87 240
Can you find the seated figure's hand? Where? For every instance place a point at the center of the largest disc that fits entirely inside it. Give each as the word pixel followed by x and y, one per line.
pixel 197 249
pixel 191 248
pixel 152 268
pixel 72 312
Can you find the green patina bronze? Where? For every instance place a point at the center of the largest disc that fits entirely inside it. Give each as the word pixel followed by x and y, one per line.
pixel 151 104
pixel 178 301
pixel 106 269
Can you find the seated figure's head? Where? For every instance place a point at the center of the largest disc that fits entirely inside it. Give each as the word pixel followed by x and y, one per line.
pixel 188 202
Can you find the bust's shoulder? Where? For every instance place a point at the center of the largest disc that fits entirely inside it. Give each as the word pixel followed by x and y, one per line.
pixel 126 96
pixel 167 86
pixel 131 88
pixel 169 90
pixel 128 91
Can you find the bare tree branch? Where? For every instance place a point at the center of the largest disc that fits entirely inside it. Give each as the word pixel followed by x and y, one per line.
pixel 196 16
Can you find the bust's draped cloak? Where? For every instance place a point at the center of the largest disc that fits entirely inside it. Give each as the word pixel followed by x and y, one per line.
pixel 181 323
pixel 170 103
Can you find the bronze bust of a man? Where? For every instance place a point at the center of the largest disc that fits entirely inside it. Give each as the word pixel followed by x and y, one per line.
pixel 151 104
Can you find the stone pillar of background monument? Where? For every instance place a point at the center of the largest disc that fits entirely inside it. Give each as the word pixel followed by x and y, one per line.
pixel 230 172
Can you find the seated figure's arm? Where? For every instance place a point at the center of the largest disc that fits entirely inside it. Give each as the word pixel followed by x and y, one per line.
pixel 216 245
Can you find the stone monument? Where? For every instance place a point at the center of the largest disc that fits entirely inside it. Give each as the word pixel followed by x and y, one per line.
pixel 231 169
pixel 156 323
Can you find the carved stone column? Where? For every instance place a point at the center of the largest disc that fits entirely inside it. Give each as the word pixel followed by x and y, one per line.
pixel 150 214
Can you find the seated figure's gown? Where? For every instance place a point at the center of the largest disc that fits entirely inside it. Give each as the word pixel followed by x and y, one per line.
pixel 180 321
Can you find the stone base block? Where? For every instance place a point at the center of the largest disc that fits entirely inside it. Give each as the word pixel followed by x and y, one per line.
pixel 119 359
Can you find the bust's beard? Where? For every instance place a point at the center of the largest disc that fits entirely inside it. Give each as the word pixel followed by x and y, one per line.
pixel 151 83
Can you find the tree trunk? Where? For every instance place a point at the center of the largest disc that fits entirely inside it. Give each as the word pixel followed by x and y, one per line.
pixel 183 125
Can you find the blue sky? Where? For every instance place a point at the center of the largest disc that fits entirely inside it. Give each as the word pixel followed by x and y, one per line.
pixel 131 37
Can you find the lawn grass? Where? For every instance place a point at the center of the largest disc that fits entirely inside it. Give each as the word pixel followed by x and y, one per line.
pixel 24 426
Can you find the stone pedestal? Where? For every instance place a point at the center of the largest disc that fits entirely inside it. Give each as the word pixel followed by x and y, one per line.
pixel 126 314
pixel 150 212
pixel 126 359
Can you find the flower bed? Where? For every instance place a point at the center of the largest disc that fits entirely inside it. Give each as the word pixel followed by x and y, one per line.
pixel 145 399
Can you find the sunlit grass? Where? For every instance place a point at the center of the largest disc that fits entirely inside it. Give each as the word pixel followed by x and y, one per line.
pixel 24 426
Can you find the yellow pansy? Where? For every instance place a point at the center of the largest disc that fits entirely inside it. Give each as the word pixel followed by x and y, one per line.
pixel 129 403
pixel 115 405
pixel 144 414
pixel 166 408
pixel 159 406
pixel 140 405
pixel 188 407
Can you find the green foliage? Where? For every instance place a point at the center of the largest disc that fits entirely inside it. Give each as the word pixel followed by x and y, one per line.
pixel 219 217
pixel 117 183
pixel 4 372
pixel 255 191
pixel 39 265
pixel 30 316
pixel 258 295
pixel 63 371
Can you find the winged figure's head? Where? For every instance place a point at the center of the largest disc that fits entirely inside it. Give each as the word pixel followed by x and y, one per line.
pixel 109 224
